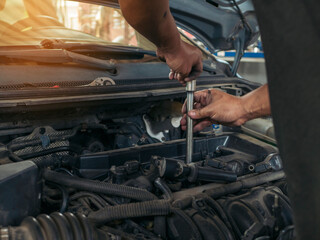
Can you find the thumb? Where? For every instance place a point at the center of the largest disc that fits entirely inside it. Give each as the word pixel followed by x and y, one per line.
pixel 199 113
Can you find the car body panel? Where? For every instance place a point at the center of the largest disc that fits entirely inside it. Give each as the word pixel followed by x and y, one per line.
pixel 216 23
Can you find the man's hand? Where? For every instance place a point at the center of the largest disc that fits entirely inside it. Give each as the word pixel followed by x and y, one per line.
pixel 216 107
pixel 154 20
pixel 185 61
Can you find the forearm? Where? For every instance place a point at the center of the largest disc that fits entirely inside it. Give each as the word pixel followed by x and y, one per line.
pixel 257 103
pixel 153 19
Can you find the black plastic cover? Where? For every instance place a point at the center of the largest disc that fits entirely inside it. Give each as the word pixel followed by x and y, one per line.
pixel 19 192
pixel 97 164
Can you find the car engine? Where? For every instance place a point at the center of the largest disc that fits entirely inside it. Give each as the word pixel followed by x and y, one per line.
pixel 126 178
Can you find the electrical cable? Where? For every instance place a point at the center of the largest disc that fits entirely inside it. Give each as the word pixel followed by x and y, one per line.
pixel 243 19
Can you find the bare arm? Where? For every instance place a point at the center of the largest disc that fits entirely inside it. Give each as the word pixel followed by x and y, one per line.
pixel 257 103
pixel 217 107
pixel 153 19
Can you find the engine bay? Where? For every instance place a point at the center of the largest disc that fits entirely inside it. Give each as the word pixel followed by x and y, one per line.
pixel 117 170
pixel 126 178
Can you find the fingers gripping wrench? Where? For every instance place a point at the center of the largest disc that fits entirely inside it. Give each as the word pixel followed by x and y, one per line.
pixel 190 88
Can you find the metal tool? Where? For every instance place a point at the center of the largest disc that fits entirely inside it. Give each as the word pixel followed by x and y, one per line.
pixel 190 88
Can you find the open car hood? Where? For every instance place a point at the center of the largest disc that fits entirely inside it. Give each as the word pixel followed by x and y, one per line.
pixel 219 24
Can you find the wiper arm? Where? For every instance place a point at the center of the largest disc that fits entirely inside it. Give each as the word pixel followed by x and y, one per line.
pixel 102 48
pixel 95 47
pixel 58 56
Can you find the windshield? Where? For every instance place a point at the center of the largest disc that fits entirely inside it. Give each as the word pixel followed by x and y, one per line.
pixel 28 22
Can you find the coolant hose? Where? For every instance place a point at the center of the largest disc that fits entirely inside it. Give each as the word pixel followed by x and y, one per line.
pixel 98 187
pixel 131 210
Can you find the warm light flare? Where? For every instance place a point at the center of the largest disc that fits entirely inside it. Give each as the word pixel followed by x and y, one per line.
pixel 28 22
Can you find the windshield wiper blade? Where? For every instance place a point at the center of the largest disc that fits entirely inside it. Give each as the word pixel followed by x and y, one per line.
pixel 58 56
pixel 95 47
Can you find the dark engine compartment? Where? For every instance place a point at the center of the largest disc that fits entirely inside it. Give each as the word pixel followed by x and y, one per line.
pixel 139 186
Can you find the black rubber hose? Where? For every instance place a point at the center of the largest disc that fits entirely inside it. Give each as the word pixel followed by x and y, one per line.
pixel 46 162
pixel 220 212
pixel 49 151
pixel 98 187
pixel 16 146
pixel 184 216
pixel 160 223
pixel 43 163
pixel 245 184
pixel 210 174
pixel 160 184
pixel 96 197
pixel 65 197
pixel 131 210
pixel 219 191
pixel 14 157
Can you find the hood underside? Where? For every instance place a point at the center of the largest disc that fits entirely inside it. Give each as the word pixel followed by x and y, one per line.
pixel 220 24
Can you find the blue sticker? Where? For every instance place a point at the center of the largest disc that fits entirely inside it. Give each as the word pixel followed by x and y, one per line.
pixel 215 126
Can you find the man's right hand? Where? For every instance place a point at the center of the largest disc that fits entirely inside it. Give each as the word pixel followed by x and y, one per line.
pixel 154 20
pixel 185 61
